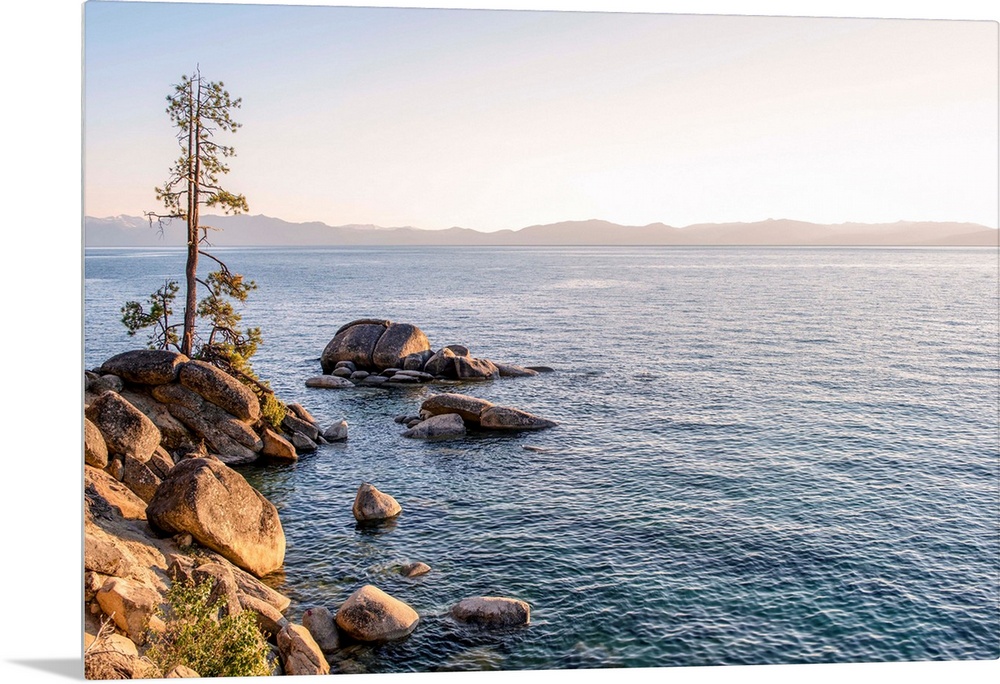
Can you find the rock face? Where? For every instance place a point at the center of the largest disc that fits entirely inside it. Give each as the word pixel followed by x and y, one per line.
pixel 355 343
pixel 372 505
pixel 126 429
pixel 146 366
pixel 221 389
pixel 371 615
pixel 95 451
pixel 443 425
pixel 492 611
pixel 469 408
pixel 216 506
pixel 397 342
pixel 503 418
pixel 300 654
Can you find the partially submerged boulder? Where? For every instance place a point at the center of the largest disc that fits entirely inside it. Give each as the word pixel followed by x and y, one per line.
pixel 217 506
pixel 504 418
pixel 492 611
pixel 469 408
pixel 355 342
pixel 146 366
pixel 372 505
pixel 371 615
pixel 414 569
pixel 469 368
pixel 399 341
pixel 276 446
pixel 443 425
pixel 329 382
pixel 320 623
pixel 126 430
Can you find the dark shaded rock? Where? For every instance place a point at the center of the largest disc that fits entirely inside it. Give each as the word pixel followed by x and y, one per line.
pixel 492 611
pixel 126 430
pixel 361 321
pixel 541 369
pixel 469 368
pixel 294 424
pixel 302 443
pixel 403 379
pixel 371 615
pixel 441 364
pixel 417 360
pixel 336 432
pixel 140 478
pixel 373 381
pixel 173 434
pixel 397 342
pixel 215 429
pixel 360 375
pixel 348 365
pixel 470 408
pixel 457 349
pixel 355 343
pixel 371 505
pixel 302 413
pixel 341 373
pixel 320 623
pixel 443 425
pixel 221 389
pixel 509 370
pixel 161 462
pixel 414 569
pixel 146 366
pixel 419 375
pixel 106 383
pixel 388 372
pixel 503 418
pixel 217 506
pixel 173 394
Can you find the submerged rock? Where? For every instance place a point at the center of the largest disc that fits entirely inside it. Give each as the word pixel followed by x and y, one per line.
pixel 414 569
pixel 503 418
pixel 469 408
pixel 321 625
pixel 329 382
pixel 444 425
pixel 371 615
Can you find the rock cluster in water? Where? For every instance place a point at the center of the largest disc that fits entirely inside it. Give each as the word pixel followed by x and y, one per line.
pixel 378 353
pixel 448 415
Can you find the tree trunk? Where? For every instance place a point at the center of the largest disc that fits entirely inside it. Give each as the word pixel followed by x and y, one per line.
pixel 191 267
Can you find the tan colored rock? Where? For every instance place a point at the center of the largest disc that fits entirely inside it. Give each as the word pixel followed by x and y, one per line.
pixel 215 431
pixel 173 434
pixel 276 446
pixel 492 611
pixel 102 491
pixel 95 451
pixel 372 615
pixel 217 506
pixel 503 418
pixel 300 654
pixel 181 672
pixel 224 595
pixel 320 623
pixel 131 605
pixel 302 413
pixel 414 569
pixel 103 555
pixel 161 462
pixel 221 389
pixel 270 621
pixel 329 382
pixel 397 342
pixel 146 366
pixel 110 664
pixel 371 504
pixel 470 408
pixel 126 430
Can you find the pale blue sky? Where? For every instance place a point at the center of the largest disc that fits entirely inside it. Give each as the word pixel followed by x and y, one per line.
pixel 491 120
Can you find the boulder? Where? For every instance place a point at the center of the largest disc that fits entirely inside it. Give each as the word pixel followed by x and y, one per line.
pixel 173 435
pixel 302 443
pixel 337 372
pixel 373 381
pixel 126 429
pixel 416 361
pixel 216 427
pixel 414 569
pixel 106 663
pixel 294 424
pixel 336 432
pixel 105 497
pixel 181 567
pixel 492 611
pixel 443 425
pixel 276 446
pixel 397 342
pixel 302 413
pixel 224 596
pixel 355 343
pixel 402 379
pixel 269 619
pixel 95 451
pixel 541 369
pixel 441 364
pixel 346 365
pixel 371 615
pixel 468 368
pixel 131 604
pixel 146 366
pixel 370 504
pixel 503 418
pixel 106 383
pixel 458 349
pixel 221 389
pixel 181 672
pixel 140 478
pixel 102 554
pixel 319 621
pixel 509 370
pixel 300 654
pixel 160 462
pixel 216 505
pixel 359 375
pixel 330 382
pixel 470 408
pixel 419 375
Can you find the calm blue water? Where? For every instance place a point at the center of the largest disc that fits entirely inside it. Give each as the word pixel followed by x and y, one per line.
pixel 765 455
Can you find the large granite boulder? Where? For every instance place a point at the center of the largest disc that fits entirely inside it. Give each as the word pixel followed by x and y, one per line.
pixel 355 342
pixel 140 478
pixel 469 368
pixel 126 430
pixel 504 418
pixel 399 341
pixel 443 425
pixel 442 363
pixel 104 496
pixel 146 366
pixel 276 446
pixel 95 451
pixel 221 389
pixel 173 434
pixel 372 505
pixel 492 611
pixel 218 432
pixel 372 615
pixel 470 408
pixel 131 604
pixel 300 654
pixel 215 505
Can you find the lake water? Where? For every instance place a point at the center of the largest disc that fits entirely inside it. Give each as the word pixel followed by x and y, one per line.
pixel 764 455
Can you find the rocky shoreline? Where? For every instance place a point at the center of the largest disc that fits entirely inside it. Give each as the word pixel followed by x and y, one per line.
pixel 163 503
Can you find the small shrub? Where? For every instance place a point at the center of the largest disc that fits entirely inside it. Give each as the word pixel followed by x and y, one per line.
pixel 231 646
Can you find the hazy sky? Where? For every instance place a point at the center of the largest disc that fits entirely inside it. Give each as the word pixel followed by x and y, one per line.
pixel 503 119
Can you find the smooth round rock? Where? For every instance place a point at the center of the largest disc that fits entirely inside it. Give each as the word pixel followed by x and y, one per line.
pixel 371 615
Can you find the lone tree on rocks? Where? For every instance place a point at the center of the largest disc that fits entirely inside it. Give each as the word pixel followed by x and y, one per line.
pixel 200 109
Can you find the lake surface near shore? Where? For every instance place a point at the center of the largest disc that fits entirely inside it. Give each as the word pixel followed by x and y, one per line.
pixel 765 455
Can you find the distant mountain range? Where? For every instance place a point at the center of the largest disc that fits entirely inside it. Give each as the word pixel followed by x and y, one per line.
pixel 260 230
